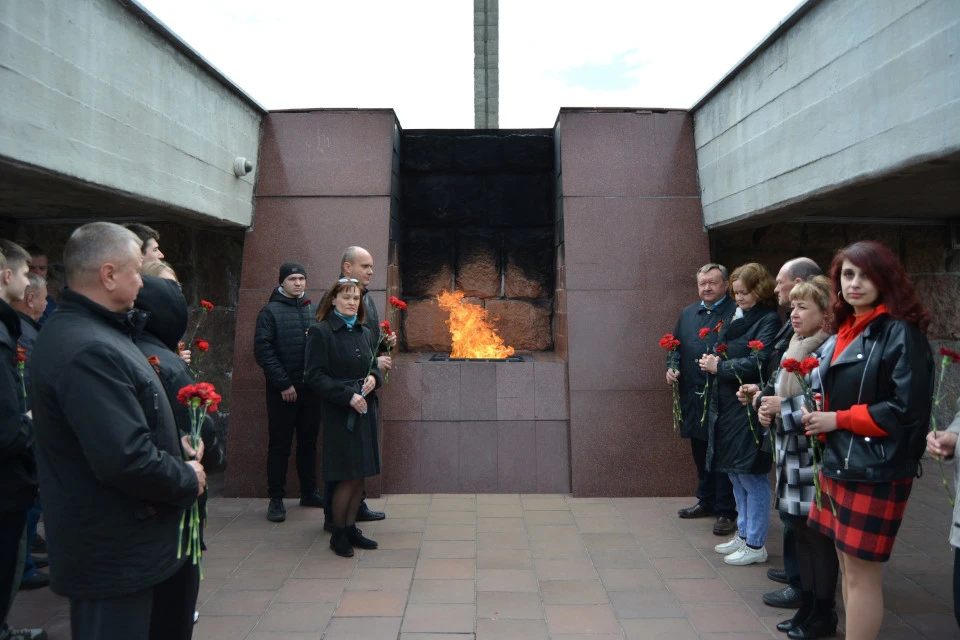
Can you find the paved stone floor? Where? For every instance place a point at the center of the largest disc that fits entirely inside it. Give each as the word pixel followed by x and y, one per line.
pixel 480 567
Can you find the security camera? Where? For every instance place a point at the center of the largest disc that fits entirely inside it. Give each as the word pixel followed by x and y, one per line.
pixel 242 166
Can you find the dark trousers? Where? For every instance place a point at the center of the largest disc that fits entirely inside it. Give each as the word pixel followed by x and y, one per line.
pixel 714 490
pixel 33 519
pixel 13 541
pixel 285 418
pixel 817 560
pixel 956 585
pixel 790 551
pixel 161 612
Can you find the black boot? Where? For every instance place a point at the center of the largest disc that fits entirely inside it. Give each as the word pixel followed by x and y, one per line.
pixel 355 536
pixel 821 623
pixel 339 543
pixel 807 600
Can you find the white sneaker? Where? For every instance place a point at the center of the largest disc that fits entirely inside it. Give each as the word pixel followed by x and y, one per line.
pixel 746 556
pixel 733 544
pixel 196 616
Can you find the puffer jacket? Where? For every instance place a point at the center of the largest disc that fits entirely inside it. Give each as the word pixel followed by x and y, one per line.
pixel 889 368
pixel 280 340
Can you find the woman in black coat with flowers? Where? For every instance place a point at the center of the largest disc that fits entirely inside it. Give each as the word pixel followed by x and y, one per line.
pixel 339 358
pixel 737 445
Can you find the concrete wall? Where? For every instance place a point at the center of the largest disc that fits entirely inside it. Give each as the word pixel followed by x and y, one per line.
pixel 327 181
pixel 90 91
pixel 855 90
pixel 631 242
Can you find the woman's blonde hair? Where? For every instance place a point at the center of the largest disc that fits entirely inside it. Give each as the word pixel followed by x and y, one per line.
pixel 816 289
pixel 157 268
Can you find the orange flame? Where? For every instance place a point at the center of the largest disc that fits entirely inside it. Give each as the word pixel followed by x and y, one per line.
pixel 473 334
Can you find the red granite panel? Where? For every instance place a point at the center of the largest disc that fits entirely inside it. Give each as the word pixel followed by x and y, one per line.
pixel 246 473
pixel 400 442
pixel 441 391
pixel 439 457
pixel 517 457
pixel 550 380
pixel 314 232
pixel 655 244
pixel 553 456
pixel 478 390
pixel 247 374
pixel 478 457
pixel 623 444
pixel 515 391
pixel 628 154
pixel 328 153
pixel 400 398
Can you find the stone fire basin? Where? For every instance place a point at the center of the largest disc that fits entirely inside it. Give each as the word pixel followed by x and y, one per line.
pixel 476 427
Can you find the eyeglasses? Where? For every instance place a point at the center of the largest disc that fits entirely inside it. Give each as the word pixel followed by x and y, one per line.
pixel 353 280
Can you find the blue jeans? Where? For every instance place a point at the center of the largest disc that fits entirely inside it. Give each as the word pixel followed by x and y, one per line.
pixel 752 492
pixel 33 518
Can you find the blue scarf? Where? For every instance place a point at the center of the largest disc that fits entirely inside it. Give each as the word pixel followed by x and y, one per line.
pixel 348 320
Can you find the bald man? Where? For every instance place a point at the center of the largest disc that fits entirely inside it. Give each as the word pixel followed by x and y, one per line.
pixel 110 460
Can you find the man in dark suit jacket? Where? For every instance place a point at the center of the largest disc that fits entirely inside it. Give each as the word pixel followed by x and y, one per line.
pixel 714 490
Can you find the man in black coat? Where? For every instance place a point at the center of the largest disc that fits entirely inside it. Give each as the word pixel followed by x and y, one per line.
pixel 115 484
pixel 792 273
pixel 357 264
pixel 279 343
pixel 714 490
pixel 18 467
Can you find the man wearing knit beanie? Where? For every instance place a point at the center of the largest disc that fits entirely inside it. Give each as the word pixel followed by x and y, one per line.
pixel 292 407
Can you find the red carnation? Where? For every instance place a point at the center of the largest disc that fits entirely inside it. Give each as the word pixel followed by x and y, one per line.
pixel 201 345
pixel 721 348
pixel 202 393
pixel 207 305
pixel 756 345
pixel 808 365
pixel 21 356
pixel 385 328
pixel 398 303
pixel 155 363
pixel 791 365
pixel 952 355
pixel 704 333
pixel 306 303
pixel 669 342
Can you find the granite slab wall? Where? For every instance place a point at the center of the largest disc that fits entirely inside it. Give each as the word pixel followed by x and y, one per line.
pixel 475 427
pixel 630 238
pixel 327 180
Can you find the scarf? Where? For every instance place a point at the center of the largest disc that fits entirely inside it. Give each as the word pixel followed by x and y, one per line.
pixel 348 320
pixel 799 348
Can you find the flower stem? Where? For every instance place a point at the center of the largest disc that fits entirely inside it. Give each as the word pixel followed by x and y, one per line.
pixel 933 424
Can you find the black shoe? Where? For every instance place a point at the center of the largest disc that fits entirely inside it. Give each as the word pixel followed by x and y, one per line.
pixel 39 545
pixel 276 512
pixel 40 563
pixel 364 514
pixel 26 634
pixel 724 526
pixel 787 598
pixel 39 580
pixel 314 499
pixel 778 575
pixel 355 536
pixel 821 623
pixel 696 511
pixel 340 544
pixel 806 608
pixel 328 526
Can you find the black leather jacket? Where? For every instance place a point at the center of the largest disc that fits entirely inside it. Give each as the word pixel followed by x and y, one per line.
pixel 889 368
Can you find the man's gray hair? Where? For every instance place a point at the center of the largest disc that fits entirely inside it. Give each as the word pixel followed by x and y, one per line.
pixel 14 256
pixel 803 268
pixel 350 255
pixel 35 281
pixel 710 266
pixel 95 244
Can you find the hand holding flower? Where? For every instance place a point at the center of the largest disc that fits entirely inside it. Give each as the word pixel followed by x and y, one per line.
pixel 201 477
pixel 709 363
pixel 369 384
pixel 189 451
pixel 817 422
pixel 747 392
pixel 941 444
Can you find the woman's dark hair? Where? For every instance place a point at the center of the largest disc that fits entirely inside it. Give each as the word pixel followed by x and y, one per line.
pixel 326 307
pixel 758 281
pixel 894 287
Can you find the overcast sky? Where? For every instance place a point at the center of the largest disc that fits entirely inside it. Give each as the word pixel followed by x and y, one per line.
pixel 416 56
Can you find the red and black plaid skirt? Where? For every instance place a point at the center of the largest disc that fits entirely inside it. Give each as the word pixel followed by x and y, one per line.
pixel 868 515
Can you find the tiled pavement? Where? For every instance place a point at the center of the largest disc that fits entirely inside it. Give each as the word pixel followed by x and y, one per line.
pixel 481 567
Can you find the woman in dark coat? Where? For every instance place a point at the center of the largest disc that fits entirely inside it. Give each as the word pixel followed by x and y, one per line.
pixel 339 369
pixel 733 446
pixel 877 387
